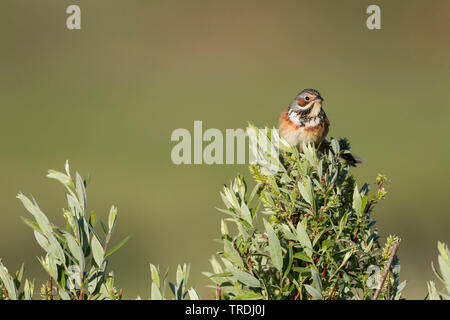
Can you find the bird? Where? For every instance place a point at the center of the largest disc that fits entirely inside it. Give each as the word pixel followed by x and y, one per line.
pixel 305 122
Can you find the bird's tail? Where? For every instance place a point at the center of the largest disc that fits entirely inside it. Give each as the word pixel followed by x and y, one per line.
pixel 351 159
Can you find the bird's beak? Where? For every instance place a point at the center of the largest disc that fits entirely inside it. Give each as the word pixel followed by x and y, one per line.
pixel 318 99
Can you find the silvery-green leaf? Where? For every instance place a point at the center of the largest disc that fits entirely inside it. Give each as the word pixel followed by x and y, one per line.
pixel 245 278
pixel 232 253
pixel 223 227
pixel 8 282
pixel 246 215
pixel 193 294
pixel 444 264
pixel 75 249
pixel 250 296
pixel 342 224
pixel 315 294
pixel 40 217
pixel 303 238
pixel 306 191
pixel 155 275
pixel 112 217
pixel 63 294
pixel 288 234
pixel 81 191
pixel 317 283
pixel 155 294
pixel 51 246
pixel 97 250
pixel 357 201
pixel 432 291
pixel 61 177
pixel 179 275
pixel 335 146
pixel 74 206
pixel 309 154
pixel 274 247
pixel 28 289
pixel 217 268
pixel 67 168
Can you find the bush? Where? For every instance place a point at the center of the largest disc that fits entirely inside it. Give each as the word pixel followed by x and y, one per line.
pixel 76 257
pixel 304 232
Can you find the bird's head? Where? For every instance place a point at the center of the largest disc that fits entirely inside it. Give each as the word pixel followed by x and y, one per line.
pixel 309 101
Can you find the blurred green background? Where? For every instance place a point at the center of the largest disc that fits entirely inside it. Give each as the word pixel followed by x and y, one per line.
pixel 108 97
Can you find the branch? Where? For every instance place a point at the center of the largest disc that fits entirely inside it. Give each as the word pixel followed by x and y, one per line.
pixel 386 270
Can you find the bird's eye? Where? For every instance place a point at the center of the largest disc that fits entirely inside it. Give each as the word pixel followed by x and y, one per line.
pixel 306 98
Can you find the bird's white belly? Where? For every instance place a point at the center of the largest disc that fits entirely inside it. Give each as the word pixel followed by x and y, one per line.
pixel 299 136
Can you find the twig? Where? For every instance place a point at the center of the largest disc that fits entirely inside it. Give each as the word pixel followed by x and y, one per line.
pixel 51 288
pixel 108 238
pixel 388 288
pixel 336 285
pixel 219 292
pixel 386 270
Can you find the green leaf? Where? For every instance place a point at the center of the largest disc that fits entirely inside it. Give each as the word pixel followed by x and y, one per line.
pixel 75 249
pixel 245 278
pixel 274 247
pixel 290 259
pixel 63 294
pixel 61 177
pixel 97 251
pixel 302 256
pixel 93 219
pixel 342 225
pixel 156 294
pixel 28 289
pixel 315 294
pixel 250 296
pixel 221 275
pixel 317 283
pixel 104 228
pixel 112 217
pixel 8 283
pixel 310 154
pixel 31 224
pixel 81 191
pixel 118 246
pixel 335 146
pixel 51 246
pixel 193 295
pixel 306 191
pixel 40 217
pixel 357 201
pixel 303 238
pixel 246 215
pixel 232 254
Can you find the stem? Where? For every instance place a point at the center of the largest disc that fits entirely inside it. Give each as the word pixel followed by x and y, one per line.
pixel 372 201
pixel 336 285
pixel 108 237
pixel 51 288
pixel 386 270
pixel 219 292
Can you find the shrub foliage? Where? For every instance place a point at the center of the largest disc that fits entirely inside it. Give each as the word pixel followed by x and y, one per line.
pixel 305 231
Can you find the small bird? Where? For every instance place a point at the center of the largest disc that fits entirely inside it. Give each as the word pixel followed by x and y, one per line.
pixel 305 121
